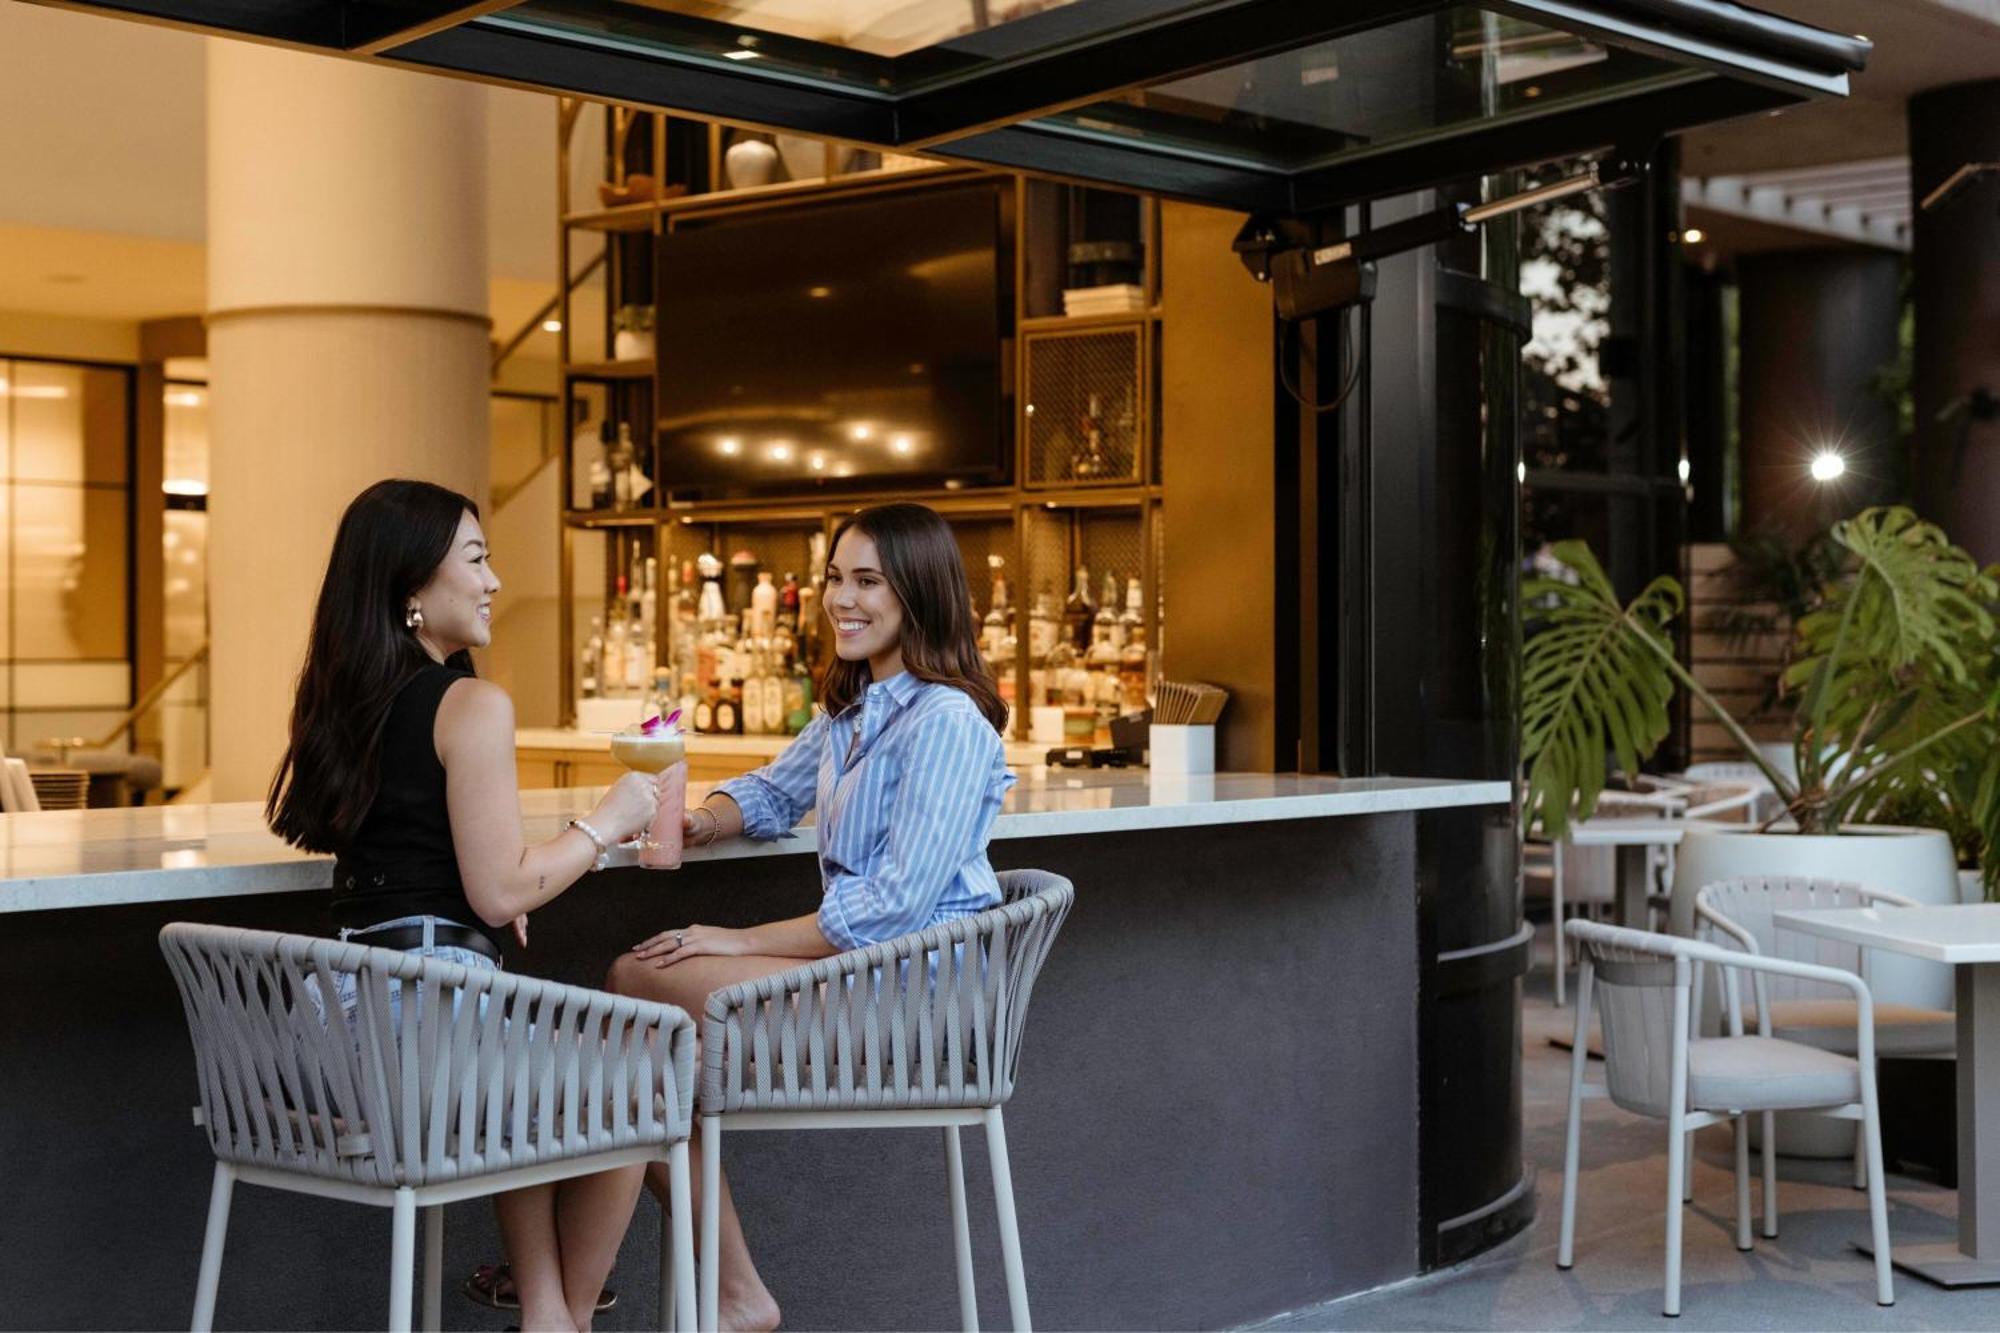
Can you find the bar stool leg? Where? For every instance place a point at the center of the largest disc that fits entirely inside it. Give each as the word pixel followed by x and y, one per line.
pixel 402 1259
pixel 434 1268
pixel 711 1223
pixel 680 1277
pixel 961 1231
pixel 1010 1232
pixel 211 1248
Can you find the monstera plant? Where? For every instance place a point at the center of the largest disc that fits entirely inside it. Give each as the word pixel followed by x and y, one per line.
pixel 1894 684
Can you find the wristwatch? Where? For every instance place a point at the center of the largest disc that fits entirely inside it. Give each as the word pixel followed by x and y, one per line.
pixel 603 848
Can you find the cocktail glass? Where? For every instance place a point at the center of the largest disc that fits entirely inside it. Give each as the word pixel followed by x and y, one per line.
pixel 663 753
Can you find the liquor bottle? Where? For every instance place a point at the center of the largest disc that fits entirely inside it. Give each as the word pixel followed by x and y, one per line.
pixel 1133 666
pixel 649 596
pixel 798 698
pixel 620 462
pixel 1042 628
pixel 1078 612
pixel 637 483
pixel 752 706
pixel 764 605
pixel 593 660
pixel 729 708
pixel 1106 638
pixel 788 604
pixel 773 686
pixel 638 657
pixel 1088 461
pixel 616 632
pixel 600 474
pixel 993 631
pixel 710 607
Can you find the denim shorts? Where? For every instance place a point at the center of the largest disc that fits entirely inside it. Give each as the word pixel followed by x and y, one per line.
pixel 344 984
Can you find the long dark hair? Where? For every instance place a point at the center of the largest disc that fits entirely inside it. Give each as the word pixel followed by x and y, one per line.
pixel 940 638
pixel 392 538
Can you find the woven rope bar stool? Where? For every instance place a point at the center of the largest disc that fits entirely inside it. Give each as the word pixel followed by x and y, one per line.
pixel 451 1083
pixel 921 1030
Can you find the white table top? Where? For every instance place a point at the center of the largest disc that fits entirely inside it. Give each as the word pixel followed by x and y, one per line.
pixel 1627 831
pixel 1946 933
pixel 91 858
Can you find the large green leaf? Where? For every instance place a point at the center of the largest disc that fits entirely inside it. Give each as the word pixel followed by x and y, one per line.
pixel 1593 678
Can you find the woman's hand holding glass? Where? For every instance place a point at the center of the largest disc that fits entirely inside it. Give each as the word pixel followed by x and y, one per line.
pixel 626 808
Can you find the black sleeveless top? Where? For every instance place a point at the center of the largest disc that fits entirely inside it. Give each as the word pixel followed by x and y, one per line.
pixel 401 861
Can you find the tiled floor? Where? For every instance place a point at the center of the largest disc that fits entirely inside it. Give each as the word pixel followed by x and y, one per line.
pixel 1809 1278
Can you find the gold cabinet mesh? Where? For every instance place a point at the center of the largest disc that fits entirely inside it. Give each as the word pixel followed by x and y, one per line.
pixel 1075 378
pixel 1104 540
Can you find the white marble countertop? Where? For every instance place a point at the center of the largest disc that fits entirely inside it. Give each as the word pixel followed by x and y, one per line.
pixel 1020 754
pixel 87 858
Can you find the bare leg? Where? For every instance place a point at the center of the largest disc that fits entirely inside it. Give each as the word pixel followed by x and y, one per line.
pixel 592 1214
pixel 745 1304
pixel 528 1228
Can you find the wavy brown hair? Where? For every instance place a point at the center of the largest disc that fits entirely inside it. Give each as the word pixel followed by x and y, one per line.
pixel 940 640
pixel 392 538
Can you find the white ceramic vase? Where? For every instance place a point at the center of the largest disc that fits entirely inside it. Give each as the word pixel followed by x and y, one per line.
pixel 751 162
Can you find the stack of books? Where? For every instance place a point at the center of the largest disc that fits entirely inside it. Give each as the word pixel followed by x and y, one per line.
pixel 1120 299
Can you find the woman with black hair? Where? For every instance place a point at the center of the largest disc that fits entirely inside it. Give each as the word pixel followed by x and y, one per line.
pixel 906 769
pixel 401 765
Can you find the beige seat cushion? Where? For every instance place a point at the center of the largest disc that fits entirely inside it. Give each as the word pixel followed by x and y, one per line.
pixel 1900 1029
pixel 1766 1074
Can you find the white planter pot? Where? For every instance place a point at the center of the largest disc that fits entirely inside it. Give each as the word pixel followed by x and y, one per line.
pixel 1917 863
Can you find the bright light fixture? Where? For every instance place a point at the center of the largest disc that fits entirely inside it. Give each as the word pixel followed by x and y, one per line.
pixel 818 462
pixel 1694 236
pixel 1521 472
pixel 1827 465
pixel 819 293
pixel 860 430
pixel 184 398
pixel 551 326
pixel 729 444
pixel 741 55
pixel 180 486
pixel 781 452
pixel 1686 469
pixel 902 444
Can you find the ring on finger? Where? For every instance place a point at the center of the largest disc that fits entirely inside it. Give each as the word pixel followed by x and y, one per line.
pixel 680 939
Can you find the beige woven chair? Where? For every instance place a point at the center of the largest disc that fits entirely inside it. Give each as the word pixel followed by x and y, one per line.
pixel 451 1083
pixel 1653 1066
pixel 921 1030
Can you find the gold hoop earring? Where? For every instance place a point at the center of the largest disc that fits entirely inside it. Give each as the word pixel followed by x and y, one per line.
pixel 413 618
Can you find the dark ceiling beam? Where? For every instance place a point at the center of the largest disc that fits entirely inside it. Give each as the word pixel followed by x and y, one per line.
pixel 1066 154
pixel 495 49
pixel 1128 56
pixel 315 23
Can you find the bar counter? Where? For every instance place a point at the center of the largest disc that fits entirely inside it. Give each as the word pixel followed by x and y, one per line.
pixel 1216 1121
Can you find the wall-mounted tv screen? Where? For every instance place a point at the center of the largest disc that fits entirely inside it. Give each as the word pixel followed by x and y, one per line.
pixel 846 345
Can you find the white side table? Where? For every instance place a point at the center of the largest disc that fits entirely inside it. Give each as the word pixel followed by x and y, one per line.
pixel 1968 937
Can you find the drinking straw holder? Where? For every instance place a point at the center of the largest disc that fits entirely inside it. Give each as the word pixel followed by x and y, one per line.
pixel 1181 748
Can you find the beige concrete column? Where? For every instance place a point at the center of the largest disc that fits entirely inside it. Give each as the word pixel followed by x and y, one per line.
pixel 348 342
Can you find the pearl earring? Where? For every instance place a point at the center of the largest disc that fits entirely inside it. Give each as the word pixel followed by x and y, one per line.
pixel 413 618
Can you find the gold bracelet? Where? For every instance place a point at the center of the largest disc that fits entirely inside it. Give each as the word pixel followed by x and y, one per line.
pixel 714 825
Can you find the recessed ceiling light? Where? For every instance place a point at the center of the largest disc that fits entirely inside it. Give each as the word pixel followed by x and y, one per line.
pixel 1694 236
pixel 729 444
pixel 551 326
pixel 781 452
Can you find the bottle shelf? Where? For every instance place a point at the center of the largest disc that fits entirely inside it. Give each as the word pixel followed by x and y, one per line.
pixel 637 369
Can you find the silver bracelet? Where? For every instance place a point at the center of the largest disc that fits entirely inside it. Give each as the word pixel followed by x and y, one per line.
pixel 597 841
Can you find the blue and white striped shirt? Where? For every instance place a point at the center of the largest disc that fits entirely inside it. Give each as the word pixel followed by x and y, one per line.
pixel 907 781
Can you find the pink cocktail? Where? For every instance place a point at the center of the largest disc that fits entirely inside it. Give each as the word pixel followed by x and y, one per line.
pixel 661 751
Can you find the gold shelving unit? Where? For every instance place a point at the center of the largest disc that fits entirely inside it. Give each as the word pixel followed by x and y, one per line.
pixel 1040 522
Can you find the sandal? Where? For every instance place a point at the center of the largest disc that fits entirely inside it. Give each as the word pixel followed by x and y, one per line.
pixel 492 1285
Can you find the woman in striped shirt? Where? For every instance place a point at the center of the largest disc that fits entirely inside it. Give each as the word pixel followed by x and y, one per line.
pixel 906 770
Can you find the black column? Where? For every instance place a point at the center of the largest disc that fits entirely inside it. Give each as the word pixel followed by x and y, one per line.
pixel 1955 273
pixel 1816 328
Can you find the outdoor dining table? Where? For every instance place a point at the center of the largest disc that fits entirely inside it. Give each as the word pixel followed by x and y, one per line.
pixel 1967 936
pixel 1633 836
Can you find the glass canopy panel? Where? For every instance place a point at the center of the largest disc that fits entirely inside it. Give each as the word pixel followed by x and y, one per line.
pixel 1357 95
pixel 884 46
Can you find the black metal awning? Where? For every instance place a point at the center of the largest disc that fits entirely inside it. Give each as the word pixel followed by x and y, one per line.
pixel 1277 105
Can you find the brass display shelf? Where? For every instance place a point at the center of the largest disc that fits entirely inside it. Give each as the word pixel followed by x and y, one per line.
pixel 1044 323
pixel 639 368
pixel 613 518
pixel 639 217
